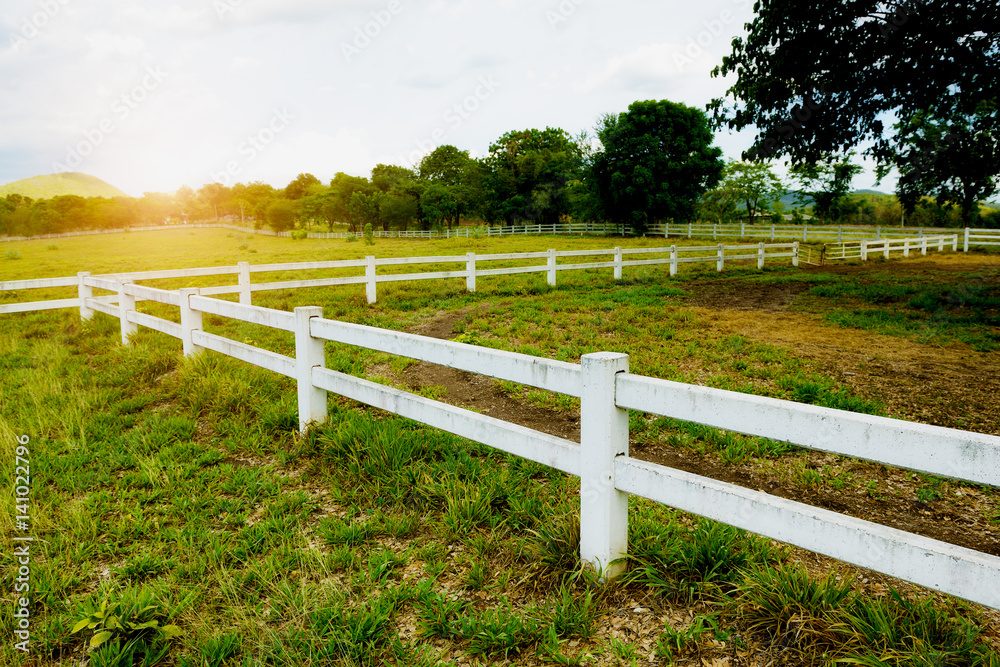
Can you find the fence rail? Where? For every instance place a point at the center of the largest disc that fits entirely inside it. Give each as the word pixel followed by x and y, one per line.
pixel 470 270
pixel 804 233
pixel 608 474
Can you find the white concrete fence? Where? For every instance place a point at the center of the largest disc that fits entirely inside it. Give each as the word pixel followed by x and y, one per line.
pixel 608 475
pixel 863 250
pixel 804 233
pixel 470 269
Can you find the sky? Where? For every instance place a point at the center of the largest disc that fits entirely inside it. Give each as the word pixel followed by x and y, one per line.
pixel 150 95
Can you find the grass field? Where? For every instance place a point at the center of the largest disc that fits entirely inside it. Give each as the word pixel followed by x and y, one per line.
pixel 174 507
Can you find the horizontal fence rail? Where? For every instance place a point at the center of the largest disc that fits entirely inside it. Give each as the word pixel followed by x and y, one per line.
pixel 607 391
pixel 470 269
pixel 804 233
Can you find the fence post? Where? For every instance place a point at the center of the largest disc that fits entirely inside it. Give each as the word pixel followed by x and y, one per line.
pixel 940 244
pixel 666 230
pixel 370 278
pixel 470 267
pixel 887 244
pixel 805 233
pixel 126 303
pixel 722 258
pixel 878 233
pixel 840 234
pixel 920 233
pixel 603 437
pixel 715 231
pixel 550 262
pixel 689 230
pixel 795 254
pixel 772 233
pixel 309 353
pixel 673 260
pixel 965 248
pixel 760 255
pixel 906 247
pixel 618 263
pixel 191 320
pixel 244 270
pixel 923 245
pixel 864 250
pixel 87 292
pixel 742 230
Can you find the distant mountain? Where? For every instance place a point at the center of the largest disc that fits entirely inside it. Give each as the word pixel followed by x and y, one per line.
pixel 68 183
pixel 790 199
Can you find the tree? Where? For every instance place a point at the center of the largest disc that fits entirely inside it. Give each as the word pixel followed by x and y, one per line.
pixel 254 199
pixel 754 184
pixel 445 165
pixel 364 208
pixel 398 209
pixel 187 202
pixel 300 186
pixel 527 176
pixel 214 194
pixel 718 204
pixel 321 204
pixel 453 169
pixel 281 214
pixel 953 160
pixel 817 83
pixel 155 207
pixel 438 204
pixel 657 161
pixel 387 176
pixel 825 184
pixel 343 187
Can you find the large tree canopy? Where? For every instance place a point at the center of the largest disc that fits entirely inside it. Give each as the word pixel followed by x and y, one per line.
pixel 527 176
pixel 657 161
pixel 821 79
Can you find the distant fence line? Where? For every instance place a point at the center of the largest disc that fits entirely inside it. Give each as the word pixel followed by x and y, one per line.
pixel 471 269
pixel 607 391
pixel 673 255
pixel 815 234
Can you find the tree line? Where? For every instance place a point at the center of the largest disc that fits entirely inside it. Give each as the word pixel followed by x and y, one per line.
pixel 654 162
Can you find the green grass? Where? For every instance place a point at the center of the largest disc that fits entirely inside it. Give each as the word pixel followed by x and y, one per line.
pixel 965 308
pixel 181 484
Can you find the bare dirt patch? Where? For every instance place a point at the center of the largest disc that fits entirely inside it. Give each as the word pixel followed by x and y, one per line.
pixel 945 385
pixel 479 392
pixel 951 385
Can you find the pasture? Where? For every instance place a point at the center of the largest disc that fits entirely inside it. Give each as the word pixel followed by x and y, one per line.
pixel 181 485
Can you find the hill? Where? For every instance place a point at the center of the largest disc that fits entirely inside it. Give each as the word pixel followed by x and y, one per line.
pixel 68 183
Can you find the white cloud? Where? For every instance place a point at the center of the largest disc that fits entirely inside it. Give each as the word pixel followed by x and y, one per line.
pixel 650 65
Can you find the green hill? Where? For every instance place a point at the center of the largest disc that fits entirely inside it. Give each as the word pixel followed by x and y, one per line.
pixel 68 183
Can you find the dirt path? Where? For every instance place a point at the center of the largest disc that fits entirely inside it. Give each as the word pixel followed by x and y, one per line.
pixel 918 382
